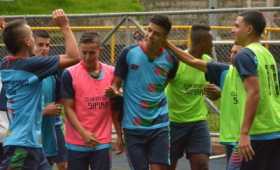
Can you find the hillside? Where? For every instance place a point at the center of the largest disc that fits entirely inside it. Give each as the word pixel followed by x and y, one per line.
pixel 20 7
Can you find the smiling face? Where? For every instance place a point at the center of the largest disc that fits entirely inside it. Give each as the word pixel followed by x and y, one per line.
pixel 241 31
pixel 90 53
pixel 42 46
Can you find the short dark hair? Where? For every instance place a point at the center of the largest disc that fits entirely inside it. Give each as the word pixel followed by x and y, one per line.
pixel 41 33
pixel 12 35
pixel 162 21
pixel 256 19
pixel 198 32
pixel 90 37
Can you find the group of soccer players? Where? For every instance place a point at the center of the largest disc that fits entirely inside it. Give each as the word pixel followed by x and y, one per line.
pixel 154 97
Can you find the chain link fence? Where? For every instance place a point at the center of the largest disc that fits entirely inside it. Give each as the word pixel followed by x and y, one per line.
pixel 220 20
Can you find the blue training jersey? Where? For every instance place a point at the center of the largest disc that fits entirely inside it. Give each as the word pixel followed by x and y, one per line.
pixel 145 105
pixel 21 79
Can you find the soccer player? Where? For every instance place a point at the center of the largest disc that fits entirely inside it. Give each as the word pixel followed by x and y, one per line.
pixel 143 70
pixel 4 119
pixel 52 135
pixel 187 108
pixel 259 135
pixel 22 77
pixel 230 145
pixel 88 109
pixel 251 92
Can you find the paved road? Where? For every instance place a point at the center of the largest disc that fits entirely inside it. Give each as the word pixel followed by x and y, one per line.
pixel 120 163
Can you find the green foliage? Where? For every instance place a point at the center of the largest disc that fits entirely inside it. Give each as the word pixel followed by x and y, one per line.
pixel 25 7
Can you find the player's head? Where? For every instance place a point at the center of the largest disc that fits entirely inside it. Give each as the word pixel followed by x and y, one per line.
pixel 201 38
pixel 234 50
pixel 158 30
pixel 247 25
pixel 17 36
pixel 42 43
pixel 90 47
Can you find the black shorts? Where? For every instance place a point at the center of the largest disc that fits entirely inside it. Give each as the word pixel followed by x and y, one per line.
pixel 267 157
pixel 189 138
pixel 151 147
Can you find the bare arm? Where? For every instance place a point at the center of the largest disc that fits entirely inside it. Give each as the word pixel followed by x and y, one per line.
pixel 71 55
pixel 72 118
pixel 187 58
pixel 117 125
pixel 252 100
pixel 52 109
pixel 114 91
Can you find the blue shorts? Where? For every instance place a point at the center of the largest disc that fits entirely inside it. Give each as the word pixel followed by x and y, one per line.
pixel 25 158
pixel 96 160
pixel 61 148
pixel 189 138
pixel 146 147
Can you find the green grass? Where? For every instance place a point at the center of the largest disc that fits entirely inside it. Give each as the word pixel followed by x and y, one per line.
pixel 24 7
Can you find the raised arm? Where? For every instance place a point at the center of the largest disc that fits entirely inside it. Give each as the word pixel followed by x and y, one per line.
pixel 71 55
pixel 2 23
pixel 187 58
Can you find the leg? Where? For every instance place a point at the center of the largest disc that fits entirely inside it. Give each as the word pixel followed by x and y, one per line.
pixel 229 149
pixel 136 151
pixel 173 165
pixel 199 161
pixel 101 160
pixel 178 139
pixel 61 165
pixel 199 147
pixel 159 167
pixel 158 149
pixel 78 160
pixel 61 158
pixel 24 158
pixel 234 162
pixel 44 165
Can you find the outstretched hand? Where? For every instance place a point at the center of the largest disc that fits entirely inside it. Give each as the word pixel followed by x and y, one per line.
pixel 59 18
pixel 2 23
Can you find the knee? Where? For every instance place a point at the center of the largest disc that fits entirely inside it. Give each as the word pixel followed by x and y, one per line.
pixel 200 163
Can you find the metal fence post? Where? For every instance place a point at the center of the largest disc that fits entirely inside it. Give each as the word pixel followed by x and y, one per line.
pixel 113 46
